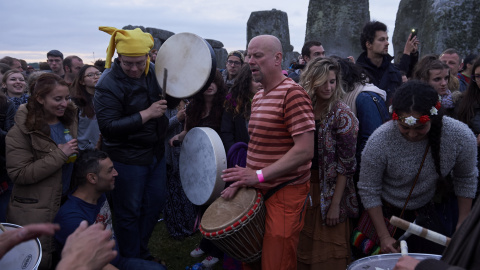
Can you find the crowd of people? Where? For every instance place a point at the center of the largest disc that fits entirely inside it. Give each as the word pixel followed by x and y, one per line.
pixel 333 142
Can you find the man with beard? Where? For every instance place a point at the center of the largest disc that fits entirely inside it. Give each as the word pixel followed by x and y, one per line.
pixel 94 175
pixel 234 64
pixel 377 62
pixel 279 152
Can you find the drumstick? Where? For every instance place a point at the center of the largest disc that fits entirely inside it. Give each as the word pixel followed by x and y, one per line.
pixel 164 90
pixel 2 228
pixel 404 248
pixel 420 231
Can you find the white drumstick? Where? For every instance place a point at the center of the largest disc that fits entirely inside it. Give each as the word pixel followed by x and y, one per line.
pixel 404 248
pixel 420 231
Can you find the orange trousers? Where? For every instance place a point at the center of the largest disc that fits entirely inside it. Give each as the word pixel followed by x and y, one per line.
pixel 283 223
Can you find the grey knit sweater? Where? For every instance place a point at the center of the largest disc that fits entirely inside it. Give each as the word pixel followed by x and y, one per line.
pixel 390 163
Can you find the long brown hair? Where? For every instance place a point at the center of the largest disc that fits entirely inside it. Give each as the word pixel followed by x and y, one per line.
pixel 471 98
pixel 80 96
pixel 197 106
pixel 239 101
pixel 36 113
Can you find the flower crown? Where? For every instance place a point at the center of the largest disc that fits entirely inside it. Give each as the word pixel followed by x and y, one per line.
pixel 411 121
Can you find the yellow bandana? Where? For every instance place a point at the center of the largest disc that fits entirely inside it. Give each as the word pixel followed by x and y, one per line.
pixel 128 43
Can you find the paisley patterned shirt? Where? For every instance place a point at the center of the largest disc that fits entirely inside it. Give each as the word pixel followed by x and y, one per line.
pixel 337 140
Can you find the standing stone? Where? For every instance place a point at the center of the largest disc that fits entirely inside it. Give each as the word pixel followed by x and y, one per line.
pixel 409 15
pixel 337 24
pixel 442 24
pixel 272 22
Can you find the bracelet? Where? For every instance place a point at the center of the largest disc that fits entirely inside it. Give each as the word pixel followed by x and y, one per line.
pixel 260 176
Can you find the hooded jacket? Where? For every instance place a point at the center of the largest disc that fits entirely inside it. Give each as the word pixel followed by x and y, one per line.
pixel 34 163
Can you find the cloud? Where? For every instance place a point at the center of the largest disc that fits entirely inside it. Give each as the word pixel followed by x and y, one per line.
pixel 31 28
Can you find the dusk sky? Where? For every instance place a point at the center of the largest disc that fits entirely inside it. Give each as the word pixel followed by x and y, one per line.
pixel 31 28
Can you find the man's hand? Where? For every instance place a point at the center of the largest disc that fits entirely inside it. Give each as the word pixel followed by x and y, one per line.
pixel 11 238
pixel 243 177
pixel 411 46
pixel 156 110
pixel 229 192
pixel 88 248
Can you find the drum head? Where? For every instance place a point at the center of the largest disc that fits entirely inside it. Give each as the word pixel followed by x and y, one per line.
pixel 190 62
pixel 386 261
pixel 202 160
pixel 223 213
pixel 26 255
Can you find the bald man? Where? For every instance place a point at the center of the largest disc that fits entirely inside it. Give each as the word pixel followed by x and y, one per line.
pixel 279 152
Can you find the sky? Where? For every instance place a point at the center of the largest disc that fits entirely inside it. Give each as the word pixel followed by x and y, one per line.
pixel 31 28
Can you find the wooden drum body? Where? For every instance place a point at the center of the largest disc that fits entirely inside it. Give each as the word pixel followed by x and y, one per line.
pixel 202 160
pixel 26 255
pixel 237 226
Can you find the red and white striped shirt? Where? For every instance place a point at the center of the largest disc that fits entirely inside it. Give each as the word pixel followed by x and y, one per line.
pixel 284 112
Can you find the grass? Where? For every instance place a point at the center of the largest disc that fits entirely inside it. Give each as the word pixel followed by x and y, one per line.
pixel 176 253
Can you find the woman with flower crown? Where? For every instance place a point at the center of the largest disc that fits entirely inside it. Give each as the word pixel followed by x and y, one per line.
pixel 419 133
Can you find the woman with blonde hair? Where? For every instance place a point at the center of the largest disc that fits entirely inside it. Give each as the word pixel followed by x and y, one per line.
pixel 324 240
pixel 14 85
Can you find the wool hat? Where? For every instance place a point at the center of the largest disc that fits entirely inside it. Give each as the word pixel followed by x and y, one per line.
pixel 128 43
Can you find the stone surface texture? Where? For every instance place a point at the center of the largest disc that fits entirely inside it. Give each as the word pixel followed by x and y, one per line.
pixel 337 24
pixel 441 24
pixel 271 22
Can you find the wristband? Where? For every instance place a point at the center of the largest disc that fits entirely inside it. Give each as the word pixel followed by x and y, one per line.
pixel 260 176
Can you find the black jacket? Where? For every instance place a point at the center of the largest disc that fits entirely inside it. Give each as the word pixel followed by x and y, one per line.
pixel 386 77
pixel 233 130
pixel 118 101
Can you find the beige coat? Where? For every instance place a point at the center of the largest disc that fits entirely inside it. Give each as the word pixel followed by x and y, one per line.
pixel 34 163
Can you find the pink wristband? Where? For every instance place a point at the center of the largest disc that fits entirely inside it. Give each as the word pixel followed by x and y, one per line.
pixel 260 176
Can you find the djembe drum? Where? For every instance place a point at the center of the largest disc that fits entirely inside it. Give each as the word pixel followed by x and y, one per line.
pixel 237 226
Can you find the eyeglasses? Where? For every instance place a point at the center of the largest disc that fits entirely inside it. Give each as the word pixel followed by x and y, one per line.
pixel 141 64
pixel 233 63
pixel 476 78
pixel 96 74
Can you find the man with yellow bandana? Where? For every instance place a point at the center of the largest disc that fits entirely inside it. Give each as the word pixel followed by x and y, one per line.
pixel 131 118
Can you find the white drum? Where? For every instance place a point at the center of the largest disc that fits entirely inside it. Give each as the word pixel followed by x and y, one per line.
pixel 190 63
pixel 24 256
pixel 202 160
pixel 386 261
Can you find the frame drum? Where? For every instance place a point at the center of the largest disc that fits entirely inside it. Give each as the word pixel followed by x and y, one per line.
pixel 26 255
pixel 190 63
pixel 202 160
pixel 386 261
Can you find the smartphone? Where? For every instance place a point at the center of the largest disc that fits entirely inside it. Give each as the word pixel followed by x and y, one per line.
pixel 414 33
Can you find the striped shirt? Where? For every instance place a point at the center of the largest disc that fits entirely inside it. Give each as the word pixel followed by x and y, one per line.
pixel 284 112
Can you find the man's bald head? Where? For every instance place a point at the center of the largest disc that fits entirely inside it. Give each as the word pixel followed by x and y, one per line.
pixel 269 42
pixel 265 60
